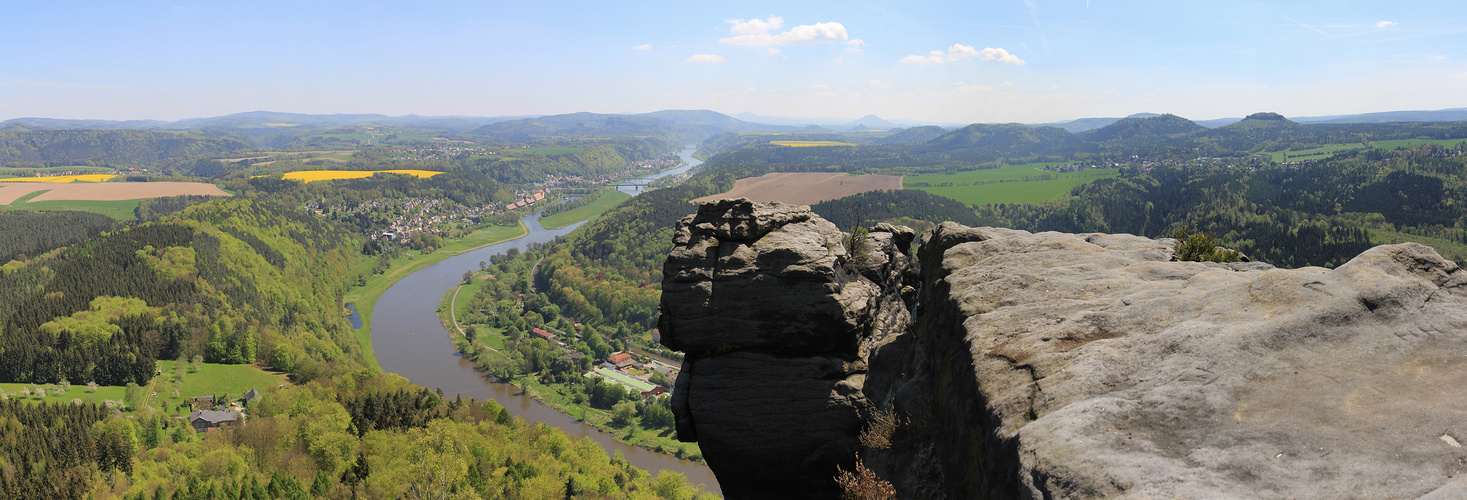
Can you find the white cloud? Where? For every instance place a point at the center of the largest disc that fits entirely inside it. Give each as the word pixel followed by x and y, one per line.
pixel 772 51
pixel 840 60
pixel 934 58
pixel 820 87
pixel 855 44
pixel 959 52
pixel 1385 24
pixel 754 26
pixel 643 47
pixel 880 84
pixel 758 33
pixel 705 58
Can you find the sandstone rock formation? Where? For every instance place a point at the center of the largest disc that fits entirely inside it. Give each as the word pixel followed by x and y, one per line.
pixel 1067 365
pixel 773 313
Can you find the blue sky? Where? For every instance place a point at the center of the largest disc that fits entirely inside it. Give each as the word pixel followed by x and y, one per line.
pixel 962 62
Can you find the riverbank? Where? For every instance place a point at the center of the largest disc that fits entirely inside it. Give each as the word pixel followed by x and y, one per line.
pixel 365 296
pixel 659 440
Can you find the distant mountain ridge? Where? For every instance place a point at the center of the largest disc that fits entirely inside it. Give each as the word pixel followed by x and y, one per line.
pixel 1441 115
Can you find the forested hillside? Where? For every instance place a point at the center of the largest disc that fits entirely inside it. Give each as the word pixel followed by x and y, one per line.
pixel 355 435
pixel 1317 213
pixel 115 147
pixel 234 281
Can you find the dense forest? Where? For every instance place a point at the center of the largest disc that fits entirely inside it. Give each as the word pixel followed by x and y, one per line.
pixel 234 281
pixel 115 147
pixel 24 233
pixel 354 435
pixel 1317 213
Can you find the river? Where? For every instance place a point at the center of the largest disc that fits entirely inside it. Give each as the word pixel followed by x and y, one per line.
pixel 637 186
pixel 410 341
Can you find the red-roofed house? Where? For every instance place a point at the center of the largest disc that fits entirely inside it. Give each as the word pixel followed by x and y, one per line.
pixel 621 360
pixel 543 334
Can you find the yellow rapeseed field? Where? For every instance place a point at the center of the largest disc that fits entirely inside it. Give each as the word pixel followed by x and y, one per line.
pixel 806 144
pixel 329 175
pixel 63 178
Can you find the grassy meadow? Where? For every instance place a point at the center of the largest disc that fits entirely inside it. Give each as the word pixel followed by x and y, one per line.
pixel 1329 149
pixel 77 391
pixel 1006 184
pixel 211 379
pixel 601 205
pixel 1313 153
pixel 123 210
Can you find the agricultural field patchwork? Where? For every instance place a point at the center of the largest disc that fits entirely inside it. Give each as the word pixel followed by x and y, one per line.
pixel 331 175
pixel 1027 183
pixel 805 188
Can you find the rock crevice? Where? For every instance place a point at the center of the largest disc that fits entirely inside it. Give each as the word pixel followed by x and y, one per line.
pixel 1059 365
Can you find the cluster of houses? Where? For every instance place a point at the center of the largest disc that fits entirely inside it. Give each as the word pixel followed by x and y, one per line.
pixel 618 366
pixel 526 200
pixel 206 418
pixel 436 152
pixel 413 214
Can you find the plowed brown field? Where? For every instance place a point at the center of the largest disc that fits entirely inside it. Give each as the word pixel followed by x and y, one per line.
pixel 104 191
pixel 805 188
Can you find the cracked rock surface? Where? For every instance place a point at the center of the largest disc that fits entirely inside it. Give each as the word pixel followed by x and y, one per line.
pixel 1092 366
pixel 1057 365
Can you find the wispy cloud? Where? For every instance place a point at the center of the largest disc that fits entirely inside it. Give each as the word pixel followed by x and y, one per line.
pixel 855 44
pixel 1385 24
pixel 958 52
pixel 705 58
pixel 880 84
pixel 1301 23
pixel 760 33
pixel 643 47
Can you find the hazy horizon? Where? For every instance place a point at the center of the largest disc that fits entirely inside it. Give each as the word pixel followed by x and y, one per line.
pixel 945 62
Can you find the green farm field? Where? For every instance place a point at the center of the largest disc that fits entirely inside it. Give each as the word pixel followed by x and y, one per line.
pixel 1313 153
pixel 77 391
pixel 1407 143
pixel 572 216
pixel 211 379
pixel 123 210
pixel 1005 184
pixel 1329 149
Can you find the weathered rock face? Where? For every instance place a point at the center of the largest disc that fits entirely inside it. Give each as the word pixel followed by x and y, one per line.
pixel 775 317
pixel 1077 366
pixel 1068 366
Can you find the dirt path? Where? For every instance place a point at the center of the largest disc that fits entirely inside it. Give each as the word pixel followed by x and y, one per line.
pixel 453 312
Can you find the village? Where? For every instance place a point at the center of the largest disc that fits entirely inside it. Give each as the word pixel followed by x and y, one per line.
pixel 391 219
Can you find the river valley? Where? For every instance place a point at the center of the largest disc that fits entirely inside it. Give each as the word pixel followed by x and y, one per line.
pixel 410 340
